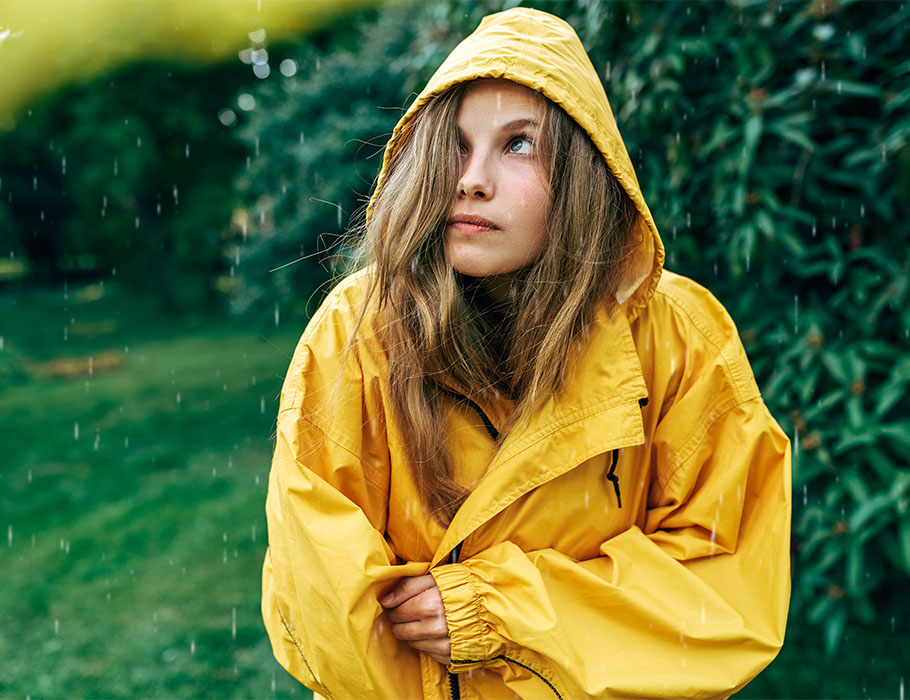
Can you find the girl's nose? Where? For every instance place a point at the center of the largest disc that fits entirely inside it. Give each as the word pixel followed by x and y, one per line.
pixel 476 181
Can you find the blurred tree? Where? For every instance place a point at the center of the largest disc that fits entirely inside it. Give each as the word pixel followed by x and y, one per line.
pixel 318 136
pixel 127 176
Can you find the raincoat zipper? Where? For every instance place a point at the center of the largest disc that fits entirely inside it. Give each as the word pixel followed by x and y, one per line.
pixel 454 686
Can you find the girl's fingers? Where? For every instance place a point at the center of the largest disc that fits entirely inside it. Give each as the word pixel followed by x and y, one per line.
pixel 426 605
pixel 439 649
pixel 405 589
pixel 421 630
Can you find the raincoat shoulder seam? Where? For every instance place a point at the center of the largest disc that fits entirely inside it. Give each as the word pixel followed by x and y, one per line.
pixel 734 368
pixel 665 483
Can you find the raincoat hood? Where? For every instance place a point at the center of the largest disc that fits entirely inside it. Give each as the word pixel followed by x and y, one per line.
pixel 630 541
pixel 542 52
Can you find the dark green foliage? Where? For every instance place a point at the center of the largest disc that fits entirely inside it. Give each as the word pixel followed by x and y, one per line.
pixel 126 176
pixel 318 138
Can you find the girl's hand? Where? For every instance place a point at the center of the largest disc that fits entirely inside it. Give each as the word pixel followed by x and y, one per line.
pixel 418 616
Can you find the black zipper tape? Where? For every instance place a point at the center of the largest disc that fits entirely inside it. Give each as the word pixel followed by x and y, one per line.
pixel 456 689
pixel 611 476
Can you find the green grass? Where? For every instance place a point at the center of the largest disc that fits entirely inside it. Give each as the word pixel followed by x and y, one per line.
pixel 131 545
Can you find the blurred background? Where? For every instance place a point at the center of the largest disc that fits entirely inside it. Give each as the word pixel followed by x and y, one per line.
pixel 174 177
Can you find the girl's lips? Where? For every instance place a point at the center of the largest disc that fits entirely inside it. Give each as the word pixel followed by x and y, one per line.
pixel 472 224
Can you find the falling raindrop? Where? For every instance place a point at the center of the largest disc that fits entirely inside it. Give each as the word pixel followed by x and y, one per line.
pixel 262 404
pixel 288 67
pixel 795 313
pixel 116 167
pixel 9 536
pixel 35 183
pixel 273 681
pixel 276 315
pixel 188 151
pixel 233 623
pixel 178 398
pixel 227 116
pixel 97 440
pixel 176 199
pixel 76 431
pixel 29 476
pixel 63 165
pixel 56 626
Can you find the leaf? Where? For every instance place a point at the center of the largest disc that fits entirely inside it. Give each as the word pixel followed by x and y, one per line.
pixel 836 367
pixel 751 135
pixel 857 89
pixel 903 532
pixel 855 486
pixel 824 404
pixel 854 568
pixel 834 629
pixel 872 507
pixel 898 433
pixel 793 136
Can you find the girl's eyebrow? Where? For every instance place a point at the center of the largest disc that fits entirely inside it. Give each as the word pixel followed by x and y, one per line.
pixel 518 124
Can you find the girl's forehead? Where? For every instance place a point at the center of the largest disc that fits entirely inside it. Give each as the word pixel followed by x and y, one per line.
pixel 494 98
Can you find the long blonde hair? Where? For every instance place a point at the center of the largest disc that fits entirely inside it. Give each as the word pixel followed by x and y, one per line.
pixel 437 336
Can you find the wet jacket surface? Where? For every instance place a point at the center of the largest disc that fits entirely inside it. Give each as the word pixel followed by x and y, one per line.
pixel 631 541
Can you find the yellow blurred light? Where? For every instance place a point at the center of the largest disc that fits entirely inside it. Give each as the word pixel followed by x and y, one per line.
pixel 45 44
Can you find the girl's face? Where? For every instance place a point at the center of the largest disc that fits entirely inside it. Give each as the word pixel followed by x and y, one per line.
pixel 498 221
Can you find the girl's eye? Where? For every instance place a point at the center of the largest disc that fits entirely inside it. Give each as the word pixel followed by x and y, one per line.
pixel 521 144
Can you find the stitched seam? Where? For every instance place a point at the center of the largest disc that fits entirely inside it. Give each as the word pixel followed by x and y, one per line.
pixel 527 486
pixel 543 434
pixel 672 475
pixel 296 643
pixel 733 370
pixel 345 448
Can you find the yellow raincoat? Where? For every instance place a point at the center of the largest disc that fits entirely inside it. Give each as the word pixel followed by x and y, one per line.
pixel 632 541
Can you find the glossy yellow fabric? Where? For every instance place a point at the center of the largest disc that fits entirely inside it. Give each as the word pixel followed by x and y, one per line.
pixel 678 587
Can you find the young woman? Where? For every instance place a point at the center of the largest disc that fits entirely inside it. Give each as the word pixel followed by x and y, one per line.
pixel 515 457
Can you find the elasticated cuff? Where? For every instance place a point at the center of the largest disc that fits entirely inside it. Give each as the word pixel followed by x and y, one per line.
pixel 468 633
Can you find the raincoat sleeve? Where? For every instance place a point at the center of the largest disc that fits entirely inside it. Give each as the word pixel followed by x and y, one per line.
pixel 327 560
pixel 692 601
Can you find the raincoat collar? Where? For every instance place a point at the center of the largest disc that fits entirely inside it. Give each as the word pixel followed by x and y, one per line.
pixel 598 410
pixel 542 52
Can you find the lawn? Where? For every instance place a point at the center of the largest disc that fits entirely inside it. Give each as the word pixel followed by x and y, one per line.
pixel 137 454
